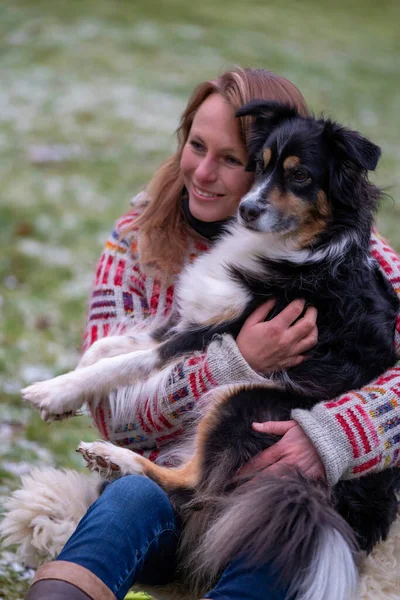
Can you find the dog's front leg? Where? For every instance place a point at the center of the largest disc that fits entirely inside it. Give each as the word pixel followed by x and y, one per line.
pixel 115 345
pixel 113 462
pixel 64 395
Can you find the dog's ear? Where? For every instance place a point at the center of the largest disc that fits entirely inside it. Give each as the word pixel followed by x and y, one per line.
pixel 268 115
pixel 349 145
pixel 352 156
pixel 267 112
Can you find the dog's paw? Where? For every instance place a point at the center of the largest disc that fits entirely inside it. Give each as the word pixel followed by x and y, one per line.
pixel 109 460
pixel 56 399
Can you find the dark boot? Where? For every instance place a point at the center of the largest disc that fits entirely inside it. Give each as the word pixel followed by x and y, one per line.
pixel 62 580
pixel 55 589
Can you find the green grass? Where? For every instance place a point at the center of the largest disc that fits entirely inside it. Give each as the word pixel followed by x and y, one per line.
pixel 103 83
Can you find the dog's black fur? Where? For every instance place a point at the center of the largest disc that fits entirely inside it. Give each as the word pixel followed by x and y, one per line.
pixel 357 309
pixel 302 231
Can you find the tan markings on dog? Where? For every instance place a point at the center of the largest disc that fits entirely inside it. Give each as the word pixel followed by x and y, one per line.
pixel 188 475
pixel 323 204
pixel 267 156
pixel 219 397
pixel 312 219
pixel 291 161
pixel 317 221
pixel 185 476
pixel 288 204
pixel 229 315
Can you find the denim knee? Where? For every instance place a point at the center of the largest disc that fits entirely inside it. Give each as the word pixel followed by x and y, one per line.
pixel 130 534
pixel 140 497
pixel 240 580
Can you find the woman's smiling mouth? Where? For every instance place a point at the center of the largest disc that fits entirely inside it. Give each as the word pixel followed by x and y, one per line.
pixel 204 195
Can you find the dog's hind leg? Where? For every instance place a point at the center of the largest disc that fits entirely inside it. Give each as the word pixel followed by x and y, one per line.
pixel 113 462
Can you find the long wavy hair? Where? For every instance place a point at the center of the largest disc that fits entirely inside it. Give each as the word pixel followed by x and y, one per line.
pixel 163 231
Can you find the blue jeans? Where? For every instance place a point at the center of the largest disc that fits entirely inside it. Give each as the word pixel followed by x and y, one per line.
pixel 130 535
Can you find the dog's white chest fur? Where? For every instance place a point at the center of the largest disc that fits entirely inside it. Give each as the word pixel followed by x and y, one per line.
pixel 207 292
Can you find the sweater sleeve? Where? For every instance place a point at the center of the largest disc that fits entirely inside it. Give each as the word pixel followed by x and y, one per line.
pixel 359 432
pixel 122 293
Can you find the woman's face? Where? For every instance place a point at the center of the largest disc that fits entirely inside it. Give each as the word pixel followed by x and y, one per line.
pixel 213 162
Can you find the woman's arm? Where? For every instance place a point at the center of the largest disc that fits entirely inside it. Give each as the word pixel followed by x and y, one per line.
pixel 358 432
pixel 123 294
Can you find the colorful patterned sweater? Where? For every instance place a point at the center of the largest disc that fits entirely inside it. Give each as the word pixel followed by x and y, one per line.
pixel 354 434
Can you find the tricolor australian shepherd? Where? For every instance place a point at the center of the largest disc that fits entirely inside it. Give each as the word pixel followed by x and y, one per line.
pixel 302 231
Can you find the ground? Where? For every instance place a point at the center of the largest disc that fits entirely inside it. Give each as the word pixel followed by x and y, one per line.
pixel 91 93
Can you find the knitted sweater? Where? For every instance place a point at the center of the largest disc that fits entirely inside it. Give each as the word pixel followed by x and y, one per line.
pixel 354 434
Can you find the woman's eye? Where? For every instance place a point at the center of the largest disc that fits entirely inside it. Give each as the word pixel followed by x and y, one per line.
pixel 196 145
pixel 234 161
pixel 299 175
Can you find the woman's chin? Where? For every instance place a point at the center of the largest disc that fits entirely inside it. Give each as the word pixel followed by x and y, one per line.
pixel 210 210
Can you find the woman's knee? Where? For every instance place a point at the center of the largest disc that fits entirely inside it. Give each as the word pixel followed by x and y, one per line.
pixel 138 497
pixel 130 533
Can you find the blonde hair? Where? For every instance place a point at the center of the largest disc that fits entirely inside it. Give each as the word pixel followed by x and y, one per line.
pixel 162 225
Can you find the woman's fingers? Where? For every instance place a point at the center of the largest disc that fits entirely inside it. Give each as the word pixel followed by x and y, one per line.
pixel 292 361
pixel 281 342
pixel 289 314
pixel 306 343
pixel 260 314
pixel 274 427
pixel 305 325
pixel 299 350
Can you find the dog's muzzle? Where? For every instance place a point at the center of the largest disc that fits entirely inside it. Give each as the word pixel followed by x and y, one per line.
pixel 250 211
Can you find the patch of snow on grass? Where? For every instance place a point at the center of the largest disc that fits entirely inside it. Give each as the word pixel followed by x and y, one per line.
pixel 50 255
pixel 32 373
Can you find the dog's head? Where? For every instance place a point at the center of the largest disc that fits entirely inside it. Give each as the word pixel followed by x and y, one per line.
pixel 309 174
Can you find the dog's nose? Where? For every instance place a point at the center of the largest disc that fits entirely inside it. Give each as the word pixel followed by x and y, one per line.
pixel 249 212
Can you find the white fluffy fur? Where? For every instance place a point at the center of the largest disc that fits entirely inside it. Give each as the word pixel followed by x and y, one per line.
pixel 380 571
pixel 332 574
pixel 205 290
pixel 206 293
pixel 124 401
pixel 45 511
pixel 42 515
pixel 66 394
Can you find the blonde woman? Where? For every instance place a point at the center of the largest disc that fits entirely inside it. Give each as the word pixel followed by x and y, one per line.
pixel 131 533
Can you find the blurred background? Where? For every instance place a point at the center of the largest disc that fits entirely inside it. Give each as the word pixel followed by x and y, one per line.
pixel 90 96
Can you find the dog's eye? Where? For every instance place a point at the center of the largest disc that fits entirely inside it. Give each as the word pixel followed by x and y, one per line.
pixel 299 175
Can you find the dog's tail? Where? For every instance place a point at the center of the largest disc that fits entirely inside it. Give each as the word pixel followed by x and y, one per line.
pixel 45 511
pixel 290 523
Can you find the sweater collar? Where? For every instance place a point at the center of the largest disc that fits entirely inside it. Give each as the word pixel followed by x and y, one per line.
pixel 210 231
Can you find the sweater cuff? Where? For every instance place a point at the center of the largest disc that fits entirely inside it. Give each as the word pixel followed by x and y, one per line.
pixel 227 364
pixel 328 439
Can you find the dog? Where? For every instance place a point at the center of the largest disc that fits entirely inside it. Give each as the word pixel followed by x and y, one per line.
pixel 302 230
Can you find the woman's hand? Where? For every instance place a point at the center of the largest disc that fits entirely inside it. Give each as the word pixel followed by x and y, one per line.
pixel 273 345
pixel 294 449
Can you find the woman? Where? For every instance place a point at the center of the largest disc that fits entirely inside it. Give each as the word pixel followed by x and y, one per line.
pixel 130 534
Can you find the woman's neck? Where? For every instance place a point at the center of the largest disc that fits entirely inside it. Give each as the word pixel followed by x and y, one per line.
pixel 211 231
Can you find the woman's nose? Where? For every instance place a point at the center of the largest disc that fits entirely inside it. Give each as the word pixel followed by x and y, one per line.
pixel 207 170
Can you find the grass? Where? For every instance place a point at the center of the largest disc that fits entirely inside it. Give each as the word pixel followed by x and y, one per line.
pixel 91 95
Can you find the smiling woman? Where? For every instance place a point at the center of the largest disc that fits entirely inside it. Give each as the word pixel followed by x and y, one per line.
pixel 164 239
pixel 213 162
pixel 119 541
